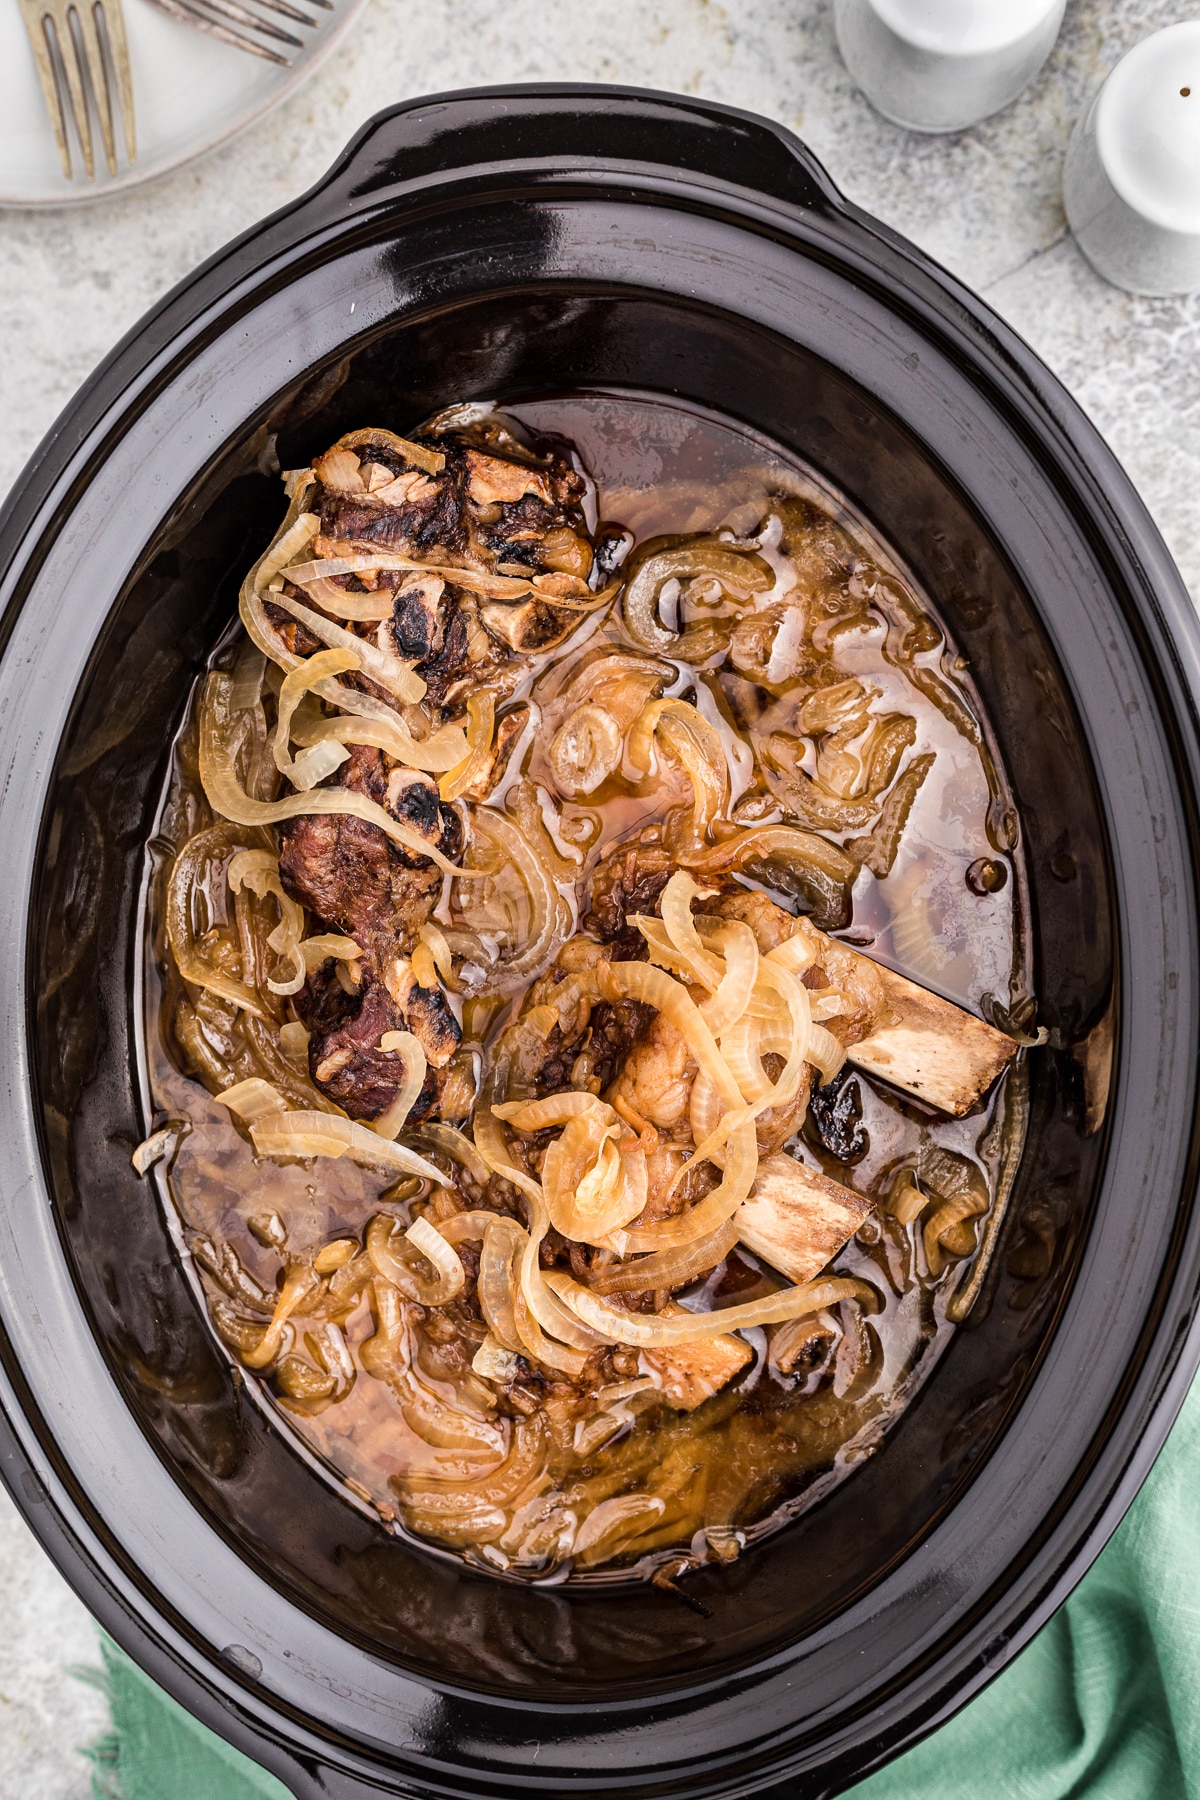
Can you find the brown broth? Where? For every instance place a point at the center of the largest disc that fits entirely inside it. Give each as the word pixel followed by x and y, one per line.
pixel 768 1446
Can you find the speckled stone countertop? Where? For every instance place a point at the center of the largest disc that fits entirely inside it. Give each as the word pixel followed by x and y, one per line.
pixel 985 202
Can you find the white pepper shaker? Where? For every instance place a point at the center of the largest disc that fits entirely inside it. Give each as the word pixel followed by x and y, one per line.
pixel 1131 185
pixel 940 65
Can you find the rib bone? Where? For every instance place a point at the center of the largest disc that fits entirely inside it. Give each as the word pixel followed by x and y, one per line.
pixel 690 1374
pixel 933 1050
pixel 797 1219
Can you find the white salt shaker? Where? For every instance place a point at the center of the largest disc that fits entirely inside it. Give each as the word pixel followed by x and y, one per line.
pixel 940 65
pixel 1131 185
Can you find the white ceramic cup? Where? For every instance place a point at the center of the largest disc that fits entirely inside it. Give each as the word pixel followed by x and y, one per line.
pixel 940 65
pixel 1131 185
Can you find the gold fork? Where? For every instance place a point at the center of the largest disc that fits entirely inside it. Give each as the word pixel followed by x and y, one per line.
pixel 79 46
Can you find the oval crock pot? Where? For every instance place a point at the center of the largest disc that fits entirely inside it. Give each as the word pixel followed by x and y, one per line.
pixel 521 242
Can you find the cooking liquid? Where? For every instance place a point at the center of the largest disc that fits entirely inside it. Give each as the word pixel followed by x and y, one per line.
pixel 770 1444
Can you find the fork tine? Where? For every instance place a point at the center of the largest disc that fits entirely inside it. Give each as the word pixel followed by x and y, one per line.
pixel 39 43
pixel 288 11
pixel 69 53
pixel 111 21
pixel 189 14
pixel 96 77
pixel 241 15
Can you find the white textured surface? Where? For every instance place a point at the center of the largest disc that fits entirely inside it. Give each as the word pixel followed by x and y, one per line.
pixel 985 203
pixel 46 1714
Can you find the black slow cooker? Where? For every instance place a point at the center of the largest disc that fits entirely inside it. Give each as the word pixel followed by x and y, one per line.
pixel 512 243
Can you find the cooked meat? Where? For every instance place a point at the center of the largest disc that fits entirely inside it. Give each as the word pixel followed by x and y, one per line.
pixel 612 1029
pixel 493 507
pixel 417 622
pixel 528 625
pixel 800 1342
pixel 630 879
pixel 508 732
pixel 835 1118
pixel 345 1060
pixel 773 1128
pixel 425 1012
pixel 357 881
pixel 528 515
pixel 770 924
pixel 412 513
pixel 354 878
pixel 796 1219
pixel 655 1082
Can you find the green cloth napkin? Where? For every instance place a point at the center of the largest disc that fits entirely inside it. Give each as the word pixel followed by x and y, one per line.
pixel 1103 1705
pixel 157 1751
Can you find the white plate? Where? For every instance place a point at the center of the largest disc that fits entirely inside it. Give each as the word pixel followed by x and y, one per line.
pixel 190 93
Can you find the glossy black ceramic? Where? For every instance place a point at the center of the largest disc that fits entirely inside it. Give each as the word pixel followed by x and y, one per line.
pixel 507 244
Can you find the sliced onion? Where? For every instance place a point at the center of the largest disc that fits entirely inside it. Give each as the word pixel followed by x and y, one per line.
pixel 495 832
pixel 321 759
pixel 648 1332
pixel 493 1362
pixel 264 635
pixel 157 1146
pixel 586 749
pixel 733 996
pixel 546 1312
pixel 469 1227
pixel 330 1134
pixel 416 1066
pixel 940 1226
pixel 639 981
pixel 675 908
pixel 373 437
pixel 326 945
pixel 541 1348
pixel 907 1202
pixel 360 559
pixel 625 1515
pixel 434 940
pixel 798 1048
pixel 481 712
pixel 740 575
pixel 396 1260
pixel 740 1048
pixel 704 1108
pixel 361 609
pixel 737 1179
pixel 826 870
pixel 391 674
pixel 795 954
pixel 555 1109
pixel 669 1268
pixel 299 1283
pixel 448 1139
pixel 690 740
pixel 258 870
pixel 825 1052
pixel 594 1183
pixel 185 879
pixel 298 530
pixel 503 1243
pixel 253 1099
pixel 226 796
pixel 426 1238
